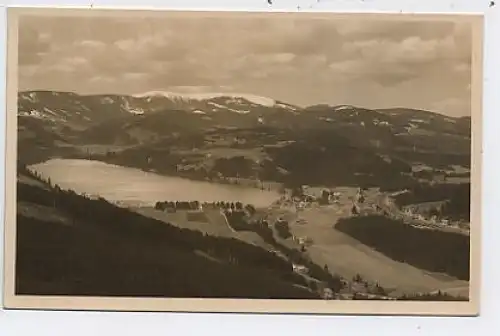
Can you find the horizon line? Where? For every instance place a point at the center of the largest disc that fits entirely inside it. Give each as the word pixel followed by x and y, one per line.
pixel 137 96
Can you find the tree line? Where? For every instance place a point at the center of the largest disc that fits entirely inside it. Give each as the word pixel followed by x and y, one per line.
pixel 196 205
pixel 431 250
pixel 456 196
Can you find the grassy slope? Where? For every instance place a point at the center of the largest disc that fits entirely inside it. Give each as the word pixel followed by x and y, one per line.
pixel 214 225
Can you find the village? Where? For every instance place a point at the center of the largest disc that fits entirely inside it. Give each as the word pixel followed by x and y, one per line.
pixel 295 222
pixel 371 202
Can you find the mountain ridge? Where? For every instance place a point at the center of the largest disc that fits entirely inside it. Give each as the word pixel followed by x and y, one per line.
pixel 53 123
pixel 253 98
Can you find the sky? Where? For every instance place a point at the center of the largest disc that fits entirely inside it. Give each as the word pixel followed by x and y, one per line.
pixel 300 59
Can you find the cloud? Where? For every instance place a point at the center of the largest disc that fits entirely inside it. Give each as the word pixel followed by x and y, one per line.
pixel 158 67
pixel 458 105
pixel 391 61
pixel 261 62
pixel 259 74
pixel 380 72
pixel 135 76
pixel 28 71
pixel 70 65
pixel 32 45
pixel 92 44
pixel 410 50
pixel 281 57
pixel 126 45
pixel 156 47
pixel 102 80
pixel 299 59
pixel 396 30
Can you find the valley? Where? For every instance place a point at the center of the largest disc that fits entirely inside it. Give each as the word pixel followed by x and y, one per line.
pixel 136 151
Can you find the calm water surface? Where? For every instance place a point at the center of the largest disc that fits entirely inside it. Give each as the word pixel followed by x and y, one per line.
pixel 130 186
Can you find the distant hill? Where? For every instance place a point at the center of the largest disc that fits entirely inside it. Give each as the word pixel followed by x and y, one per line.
pixel 262 130
pixel 81 110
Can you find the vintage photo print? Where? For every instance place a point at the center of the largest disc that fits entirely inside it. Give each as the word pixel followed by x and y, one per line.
pixel 243 161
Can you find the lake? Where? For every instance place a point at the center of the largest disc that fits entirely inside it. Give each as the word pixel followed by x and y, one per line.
pixel 134 187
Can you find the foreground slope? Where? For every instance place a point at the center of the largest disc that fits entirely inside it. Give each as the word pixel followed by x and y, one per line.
pixel 71 245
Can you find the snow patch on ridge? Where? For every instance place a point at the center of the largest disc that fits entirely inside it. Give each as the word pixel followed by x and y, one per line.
pixel 259 100
pixel 343 107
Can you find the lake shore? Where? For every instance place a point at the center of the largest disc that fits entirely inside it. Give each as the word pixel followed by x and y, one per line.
pixel 137 187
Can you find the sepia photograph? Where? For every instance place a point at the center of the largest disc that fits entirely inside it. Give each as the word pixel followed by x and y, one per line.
pixel 270 162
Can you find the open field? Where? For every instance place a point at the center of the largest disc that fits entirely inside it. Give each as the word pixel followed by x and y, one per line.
pixel 215 224
pixel 43 213
pixel 225 152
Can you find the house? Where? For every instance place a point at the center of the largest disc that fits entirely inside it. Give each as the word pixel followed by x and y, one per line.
pixel 334 197
pixel 328 294
pixel 300 269
pixel 309 198
pixel 301 221
pixel 408 211
pixel 305 241
pixel 355 209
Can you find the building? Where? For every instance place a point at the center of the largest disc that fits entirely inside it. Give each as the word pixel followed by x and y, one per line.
pixel 309 198
pixel 301 221
pixel 334 197
pixel 328 294
pixel 300 269
pixel 355 209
